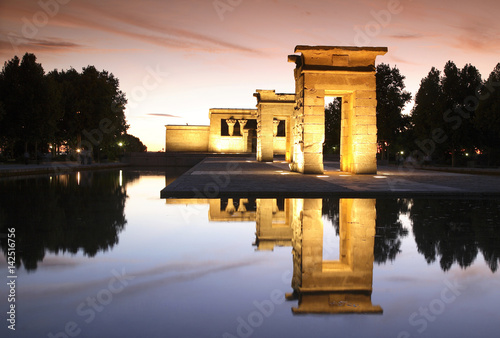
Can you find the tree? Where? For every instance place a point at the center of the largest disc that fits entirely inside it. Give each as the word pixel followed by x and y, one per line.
pixel 67 107
pixel 391 99
pixel 487 119
pixel 131 143
pixel 333 115
pixel 10 91
pixel 428 104
pixel 444 112
pixel 68 83
pixel 28 102
pixel 101 103
pixel 93 110
pixel 459 90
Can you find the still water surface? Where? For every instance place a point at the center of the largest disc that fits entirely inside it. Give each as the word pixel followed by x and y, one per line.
pixel 101 255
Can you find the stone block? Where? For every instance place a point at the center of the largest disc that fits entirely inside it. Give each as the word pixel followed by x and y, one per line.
pixel 363 102
pixel 311 98
pixel 364 168
pixel 314 128
pixel 315 119
pixel 365 94
pixel 365 119
pixel 310 138
pixel 365 148
pixel 314 148
pixel 316 169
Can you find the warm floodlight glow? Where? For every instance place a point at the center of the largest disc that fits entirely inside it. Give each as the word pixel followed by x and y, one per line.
pixel 379 176
pixel 78 150
pixel 322 176
pixel 78 178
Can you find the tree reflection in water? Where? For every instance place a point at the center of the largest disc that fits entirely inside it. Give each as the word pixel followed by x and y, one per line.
pixel 63 213
pixel 454 231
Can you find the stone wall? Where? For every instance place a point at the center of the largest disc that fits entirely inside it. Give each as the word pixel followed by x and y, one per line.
pixel 271 108
pixel 187 138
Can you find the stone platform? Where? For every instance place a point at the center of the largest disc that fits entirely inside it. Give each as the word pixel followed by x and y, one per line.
pixel 245 177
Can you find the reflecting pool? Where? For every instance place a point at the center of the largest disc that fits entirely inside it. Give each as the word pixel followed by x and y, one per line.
pixel 99 254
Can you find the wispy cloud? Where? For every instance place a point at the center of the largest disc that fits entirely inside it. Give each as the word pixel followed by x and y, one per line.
pixel 477 36
pixel 406 36
pixel 148 23
pixel 163 115
pixel 13 42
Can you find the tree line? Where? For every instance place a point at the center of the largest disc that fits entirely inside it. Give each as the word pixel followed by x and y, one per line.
pixel 62 110
pixel 455 118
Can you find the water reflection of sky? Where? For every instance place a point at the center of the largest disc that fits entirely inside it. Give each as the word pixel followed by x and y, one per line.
pixel 185 276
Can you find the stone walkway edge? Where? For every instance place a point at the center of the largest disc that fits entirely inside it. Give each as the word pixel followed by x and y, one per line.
pixel 245 177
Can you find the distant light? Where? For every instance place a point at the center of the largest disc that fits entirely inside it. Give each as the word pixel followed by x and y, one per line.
pixel 402 152
pixel 120 144
pixel 279 171
pixel 284 173
pixel 322 176
pixel 78 150
pixel 344 175
pixel 379 176
pixel 466 154
pixel 120 178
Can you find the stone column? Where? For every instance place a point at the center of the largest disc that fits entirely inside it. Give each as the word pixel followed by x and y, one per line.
pixel 230 209
pixel 242 125
pixel 265 136
pixel 241 205
pixel 230 126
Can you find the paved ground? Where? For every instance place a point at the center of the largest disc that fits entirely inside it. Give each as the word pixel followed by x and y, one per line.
pixel 240 177
pixel 53 167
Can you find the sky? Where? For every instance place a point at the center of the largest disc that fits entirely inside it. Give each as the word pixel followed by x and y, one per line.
pixel 176 59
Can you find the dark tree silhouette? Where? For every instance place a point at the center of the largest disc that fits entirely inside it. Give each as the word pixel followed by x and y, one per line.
pixel 391 99
pixel 64 215
pixel 487 119
pixel 61 108
pixel 444 112
pixel 389 229
pixel 333 115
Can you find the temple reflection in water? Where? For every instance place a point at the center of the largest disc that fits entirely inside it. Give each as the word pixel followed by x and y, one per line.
pixel 319 285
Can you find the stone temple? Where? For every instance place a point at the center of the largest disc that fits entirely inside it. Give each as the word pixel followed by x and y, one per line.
pixel 294 124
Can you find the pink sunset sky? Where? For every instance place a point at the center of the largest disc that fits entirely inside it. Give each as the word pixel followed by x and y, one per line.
pixel 176 59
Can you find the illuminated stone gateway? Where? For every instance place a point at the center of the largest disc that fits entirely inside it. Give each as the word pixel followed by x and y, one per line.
pixel 294 124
